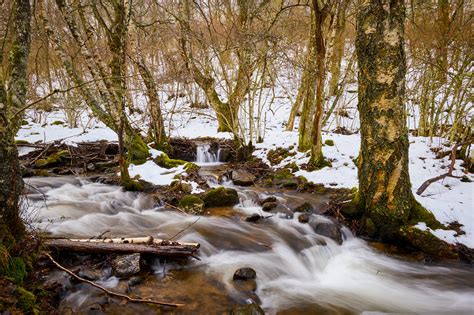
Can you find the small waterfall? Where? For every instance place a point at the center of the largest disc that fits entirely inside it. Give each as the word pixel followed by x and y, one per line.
pixel 205 154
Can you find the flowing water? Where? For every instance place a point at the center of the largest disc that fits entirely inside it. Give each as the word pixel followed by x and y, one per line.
pixel 205 155
pixel 298 271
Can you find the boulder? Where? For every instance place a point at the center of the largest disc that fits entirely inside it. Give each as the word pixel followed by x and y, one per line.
pixel 245 273
pixel 255 217
pixel 125 266
pixel 304 207
pixel 304 217
pixel 269 199
pixel 327 229
pixel 269 206
pixel 242 178
pixel 192 204
pixel 220 197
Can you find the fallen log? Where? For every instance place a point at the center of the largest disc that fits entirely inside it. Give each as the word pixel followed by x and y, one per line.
pixel 97 247
pixel 145 240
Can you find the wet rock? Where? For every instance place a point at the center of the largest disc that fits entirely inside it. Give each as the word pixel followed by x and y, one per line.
pixel 91 167
pixel 269 199
pixel 246 286
pixel 328 229
pixel 282 212
pixel 304 217
pixel 220 197
pixel 245 273
pixel 255 217
pixel 242 177
pixel 250 309
pixel 192 204
pixel 125 266
pixel 134 281
pixel 90 274
pixel 268 206
pixel 304 207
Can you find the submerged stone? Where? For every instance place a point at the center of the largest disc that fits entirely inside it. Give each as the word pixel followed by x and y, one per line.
pixel 268 206
pixel 245 273
pixel 125 266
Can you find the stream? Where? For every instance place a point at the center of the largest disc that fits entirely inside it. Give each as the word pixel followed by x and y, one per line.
pixel 298 271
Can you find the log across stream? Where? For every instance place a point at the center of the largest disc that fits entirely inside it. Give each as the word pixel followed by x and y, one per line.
pixel 298 271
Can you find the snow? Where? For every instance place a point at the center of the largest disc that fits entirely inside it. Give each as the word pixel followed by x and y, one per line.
pixel 152 173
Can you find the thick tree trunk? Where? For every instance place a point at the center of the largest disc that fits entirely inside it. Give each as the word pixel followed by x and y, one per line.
pixel 12 99
pixel 384 182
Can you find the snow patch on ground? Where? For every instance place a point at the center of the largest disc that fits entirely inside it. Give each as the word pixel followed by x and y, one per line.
pixel 152 173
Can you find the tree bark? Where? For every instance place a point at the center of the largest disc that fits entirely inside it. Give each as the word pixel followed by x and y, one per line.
pixel 12 99
pixel 384 182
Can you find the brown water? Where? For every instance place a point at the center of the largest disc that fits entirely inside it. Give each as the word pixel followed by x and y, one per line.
pixel 298 271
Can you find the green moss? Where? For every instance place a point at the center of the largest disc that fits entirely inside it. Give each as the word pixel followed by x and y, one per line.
pixel 26 300
pixel 137 150
pixel 57 122
pixel 21 142
pixel 53 159
pixel 268 182
pixel 353 208
pixel 220 197
pixel 43 173
pixel 164 161
pixel 15 270
pixel 191 167
pixel 283 174
pixel 427 243
pixel 24 122
pixel 192 203
pixel 329 142
pixel 319 164
pixel 292 166
pixel 420 214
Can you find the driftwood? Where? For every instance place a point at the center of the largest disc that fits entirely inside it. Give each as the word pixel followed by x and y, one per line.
pixel 123 296
pixel 142 245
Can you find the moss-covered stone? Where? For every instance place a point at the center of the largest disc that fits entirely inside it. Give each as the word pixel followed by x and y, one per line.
pixel 191 167
pixel 137 150
pixel 26 300
pixel 292 166
pixel 220 197
pixel 57 122
pixel 427 243
pixel 24 122
pixel 192 204
pixel 283 174
pixel 165 161
pixel 285 178
pixel 42 173
pixel 17 142
pixel 53 160
pixel 319 164
pixel 329 142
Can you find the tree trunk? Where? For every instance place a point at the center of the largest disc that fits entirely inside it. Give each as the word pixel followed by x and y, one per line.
pixel 12 99
pixel 384 182
pixel 338 47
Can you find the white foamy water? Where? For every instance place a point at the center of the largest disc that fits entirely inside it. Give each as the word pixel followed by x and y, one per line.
pixel 204 154
pixel 294 265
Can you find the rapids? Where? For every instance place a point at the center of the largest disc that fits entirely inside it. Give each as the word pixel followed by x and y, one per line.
pixel 298 271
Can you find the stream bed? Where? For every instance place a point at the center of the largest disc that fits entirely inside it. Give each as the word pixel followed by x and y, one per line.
pixel 298 270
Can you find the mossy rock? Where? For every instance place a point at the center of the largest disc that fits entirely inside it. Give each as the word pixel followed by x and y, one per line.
pixel 329 142
pixel 24 122
pixel 26 300
pixel 283 174
pixel 285 178
pixel 14 270
pixel 277 155
pixel 57 122
pixel 164 160
pixel 426 242
pixel 250 309
pixel 292 166
pixel 317 165
pixel 191 167
pixel 192 204
pixel 53 160
pixel 220 197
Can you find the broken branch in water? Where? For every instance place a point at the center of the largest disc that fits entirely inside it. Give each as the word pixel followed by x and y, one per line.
pixel 123 296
